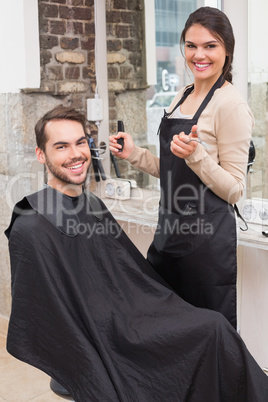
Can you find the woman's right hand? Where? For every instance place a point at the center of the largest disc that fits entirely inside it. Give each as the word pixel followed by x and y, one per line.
pixel 115 147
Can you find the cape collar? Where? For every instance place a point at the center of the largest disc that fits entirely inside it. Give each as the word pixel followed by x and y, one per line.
pixel 57 208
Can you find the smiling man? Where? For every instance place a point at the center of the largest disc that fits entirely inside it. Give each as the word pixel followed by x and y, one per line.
pixel 90 311
pixel 62 145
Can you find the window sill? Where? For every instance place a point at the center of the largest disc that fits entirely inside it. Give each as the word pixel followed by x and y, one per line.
pixel 253 237
pixel 142 209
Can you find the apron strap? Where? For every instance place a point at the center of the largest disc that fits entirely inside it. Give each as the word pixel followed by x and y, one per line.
pixel 220 81
pixel 241 217
pixel 186 93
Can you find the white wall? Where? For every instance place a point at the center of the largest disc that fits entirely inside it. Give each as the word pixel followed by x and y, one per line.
pixel 19 44
pixel 237 12
pixel 253 295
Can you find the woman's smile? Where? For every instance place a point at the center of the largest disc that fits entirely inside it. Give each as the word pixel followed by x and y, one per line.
pixel 201 66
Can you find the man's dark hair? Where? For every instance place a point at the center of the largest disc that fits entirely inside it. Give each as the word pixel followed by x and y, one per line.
pixel 59 112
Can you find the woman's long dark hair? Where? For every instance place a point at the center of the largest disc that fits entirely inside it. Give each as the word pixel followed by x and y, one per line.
pixel 220 27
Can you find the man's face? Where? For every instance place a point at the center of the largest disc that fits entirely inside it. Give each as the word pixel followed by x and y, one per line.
pixel 67 155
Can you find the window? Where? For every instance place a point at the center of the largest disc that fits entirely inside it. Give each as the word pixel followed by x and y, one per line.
pixel 257 186
pixel 170 17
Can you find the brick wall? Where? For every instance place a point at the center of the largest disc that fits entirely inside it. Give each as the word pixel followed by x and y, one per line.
pixel 125 47
pixel 67 53
pixel 67 41
pixel 67 50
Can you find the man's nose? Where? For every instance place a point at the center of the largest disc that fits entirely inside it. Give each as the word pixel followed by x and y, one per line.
pixel 74 152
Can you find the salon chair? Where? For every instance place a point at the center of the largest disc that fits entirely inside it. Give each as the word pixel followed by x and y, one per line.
pixel 58 388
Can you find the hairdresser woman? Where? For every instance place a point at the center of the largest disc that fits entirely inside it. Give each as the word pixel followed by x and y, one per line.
pixel 204 144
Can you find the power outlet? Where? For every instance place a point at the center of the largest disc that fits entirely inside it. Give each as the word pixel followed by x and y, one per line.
pixel 255 210
pixel 118 189
pixel 94 109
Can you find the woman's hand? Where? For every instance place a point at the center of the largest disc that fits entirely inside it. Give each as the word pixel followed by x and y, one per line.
pixel 181 146
pixel 115 147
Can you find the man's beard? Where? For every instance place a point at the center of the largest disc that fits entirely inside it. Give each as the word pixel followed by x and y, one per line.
pixel 61 176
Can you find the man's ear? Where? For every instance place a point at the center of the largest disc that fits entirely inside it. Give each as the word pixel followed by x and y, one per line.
pixel 40 155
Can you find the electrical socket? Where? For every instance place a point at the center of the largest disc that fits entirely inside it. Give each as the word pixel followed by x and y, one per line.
pixel 94 109
pixel 118 189
pixel 255 210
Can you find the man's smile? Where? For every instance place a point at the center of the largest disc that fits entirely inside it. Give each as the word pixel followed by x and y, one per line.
pixel 77 166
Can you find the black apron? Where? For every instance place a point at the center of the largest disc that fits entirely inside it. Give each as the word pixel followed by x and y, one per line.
pixel 194 247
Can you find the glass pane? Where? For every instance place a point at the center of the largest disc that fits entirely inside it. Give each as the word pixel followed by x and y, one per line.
pixel 257 186
pixel 170 17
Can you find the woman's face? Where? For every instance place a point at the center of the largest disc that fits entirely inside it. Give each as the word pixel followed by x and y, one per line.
pixel 205 55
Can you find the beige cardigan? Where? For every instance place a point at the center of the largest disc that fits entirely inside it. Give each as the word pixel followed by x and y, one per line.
pixel 226 126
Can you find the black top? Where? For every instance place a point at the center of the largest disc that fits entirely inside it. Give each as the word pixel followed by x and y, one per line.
pixel 89 310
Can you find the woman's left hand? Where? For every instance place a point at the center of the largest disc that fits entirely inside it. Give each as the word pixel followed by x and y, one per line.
pixel 180 145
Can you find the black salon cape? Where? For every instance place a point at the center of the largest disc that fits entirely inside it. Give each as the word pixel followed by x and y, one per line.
pixel 89 310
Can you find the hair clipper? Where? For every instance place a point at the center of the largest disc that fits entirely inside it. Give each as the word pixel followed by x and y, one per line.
pixel 120 127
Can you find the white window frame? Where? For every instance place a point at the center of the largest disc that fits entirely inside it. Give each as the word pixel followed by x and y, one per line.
pixel 237 12
pixel 102 79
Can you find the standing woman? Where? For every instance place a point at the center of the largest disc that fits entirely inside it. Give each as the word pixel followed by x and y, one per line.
pixel 204 144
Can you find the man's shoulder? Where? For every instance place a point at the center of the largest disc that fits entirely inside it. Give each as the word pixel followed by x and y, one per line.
pixel 21 209
pixel 26 210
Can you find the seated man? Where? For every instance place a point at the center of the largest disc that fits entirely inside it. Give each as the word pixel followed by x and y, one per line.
pixel 91 312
